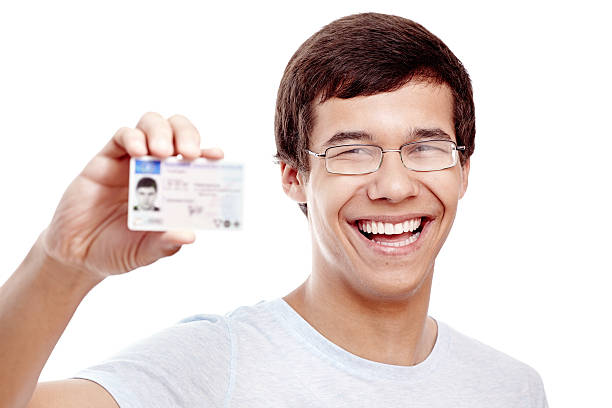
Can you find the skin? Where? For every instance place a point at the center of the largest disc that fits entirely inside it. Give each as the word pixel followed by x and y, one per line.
pixel 373 303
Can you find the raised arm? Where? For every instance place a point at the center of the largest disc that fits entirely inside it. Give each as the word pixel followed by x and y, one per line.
pixel 86 241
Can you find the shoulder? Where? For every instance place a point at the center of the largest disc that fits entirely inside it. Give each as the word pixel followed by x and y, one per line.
pixel 256 311
pixel 241 320
pixel 257 327
pixel 471 352
pixel 208 327
pixel 187 364
pixel 189 339
pixel 494 369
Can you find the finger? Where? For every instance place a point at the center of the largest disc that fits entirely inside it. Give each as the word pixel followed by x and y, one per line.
pixel 186 137
pixel 158 134
pixel 157 245
pixel 170 242
pixel 213 153
pixel 171 239
pixel 126 140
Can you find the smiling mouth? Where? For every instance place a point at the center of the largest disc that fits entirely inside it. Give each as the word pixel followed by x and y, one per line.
pixel 388 234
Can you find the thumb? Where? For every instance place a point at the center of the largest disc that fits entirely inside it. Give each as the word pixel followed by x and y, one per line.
pixel 164 244
pixel 171 240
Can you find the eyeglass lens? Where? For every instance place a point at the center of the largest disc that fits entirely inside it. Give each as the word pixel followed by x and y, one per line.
pixel 419 156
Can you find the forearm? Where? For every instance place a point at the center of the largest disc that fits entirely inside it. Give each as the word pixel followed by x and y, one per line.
pixel 36 304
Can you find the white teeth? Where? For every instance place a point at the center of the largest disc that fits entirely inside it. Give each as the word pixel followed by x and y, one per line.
pixel 405 242
pixel 387 228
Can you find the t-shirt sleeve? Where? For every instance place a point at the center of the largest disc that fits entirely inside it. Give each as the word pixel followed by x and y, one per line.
pixel 186 365
pixel 536 388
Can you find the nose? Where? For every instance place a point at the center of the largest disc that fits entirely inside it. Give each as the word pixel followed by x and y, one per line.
pixel 393 182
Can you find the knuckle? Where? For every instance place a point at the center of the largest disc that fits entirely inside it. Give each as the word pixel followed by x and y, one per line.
pixel 122 132
pixel 179 121
pixel 150 118
pixel 158 130
pixel 152 115
pixel 128 134
pixel 177 117
pixel 123 129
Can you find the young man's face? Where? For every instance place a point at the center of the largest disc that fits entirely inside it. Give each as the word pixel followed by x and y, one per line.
pixel 382 266
pixel 146 198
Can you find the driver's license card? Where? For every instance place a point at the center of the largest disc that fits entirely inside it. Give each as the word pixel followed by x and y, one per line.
pixel 176 194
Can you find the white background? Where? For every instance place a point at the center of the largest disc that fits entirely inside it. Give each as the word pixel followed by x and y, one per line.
pixel 526 268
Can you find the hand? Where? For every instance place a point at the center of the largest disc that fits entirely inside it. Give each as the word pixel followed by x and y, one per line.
pixel 89 228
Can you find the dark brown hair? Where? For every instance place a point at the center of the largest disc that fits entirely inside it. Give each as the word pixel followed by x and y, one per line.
pixel 360 55
pixel 146 182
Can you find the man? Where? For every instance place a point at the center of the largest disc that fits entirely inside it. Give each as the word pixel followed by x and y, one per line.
pixel 374 130
pixel 146 194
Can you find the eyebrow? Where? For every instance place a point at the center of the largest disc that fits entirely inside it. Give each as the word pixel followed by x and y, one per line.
pixel 349 136
pixel 414 135
pixel 429 133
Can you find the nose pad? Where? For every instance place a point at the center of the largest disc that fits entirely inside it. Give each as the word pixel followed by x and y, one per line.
pixel 392 181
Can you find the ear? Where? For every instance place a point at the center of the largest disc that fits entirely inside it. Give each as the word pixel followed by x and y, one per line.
pixel 293 183
pixel 465 172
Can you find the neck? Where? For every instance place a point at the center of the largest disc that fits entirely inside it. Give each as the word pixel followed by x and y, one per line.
pixel 387 331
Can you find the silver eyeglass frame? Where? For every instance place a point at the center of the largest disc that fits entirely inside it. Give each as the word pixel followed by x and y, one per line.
pixel 383 151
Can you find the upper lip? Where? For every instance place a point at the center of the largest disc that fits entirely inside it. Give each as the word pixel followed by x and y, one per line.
pixel 394 219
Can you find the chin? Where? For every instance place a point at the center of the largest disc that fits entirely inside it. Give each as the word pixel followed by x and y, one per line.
pixel 395 285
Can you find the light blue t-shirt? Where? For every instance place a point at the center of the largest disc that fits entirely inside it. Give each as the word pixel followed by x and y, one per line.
pixel 267 355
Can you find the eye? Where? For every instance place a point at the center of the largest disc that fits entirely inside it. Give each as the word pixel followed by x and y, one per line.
pixel 427 148
pixel 355 150
pixel 351 153
pixel 423 148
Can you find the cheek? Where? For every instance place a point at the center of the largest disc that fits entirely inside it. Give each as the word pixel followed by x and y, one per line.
pixel 327 197
pixel 328 194
pixel 446 187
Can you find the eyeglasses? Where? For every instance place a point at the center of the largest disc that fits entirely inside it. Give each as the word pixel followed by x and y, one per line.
pixel 426 155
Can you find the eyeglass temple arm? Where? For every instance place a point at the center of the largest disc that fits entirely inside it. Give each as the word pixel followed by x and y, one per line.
pixel 315 154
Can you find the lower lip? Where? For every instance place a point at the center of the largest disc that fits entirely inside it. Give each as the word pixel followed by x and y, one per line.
pixel 392 250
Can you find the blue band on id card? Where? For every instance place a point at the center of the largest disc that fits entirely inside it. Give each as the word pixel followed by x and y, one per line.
pixel 176 194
